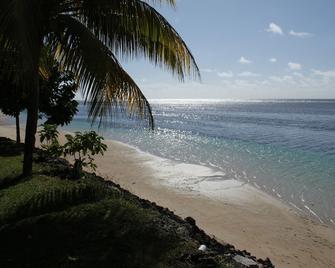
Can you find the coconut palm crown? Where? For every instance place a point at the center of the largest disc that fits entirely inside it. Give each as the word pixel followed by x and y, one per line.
pixel 87 37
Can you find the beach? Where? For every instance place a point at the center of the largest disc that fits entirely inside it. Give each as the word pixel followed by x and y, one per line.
pixel 240 215
pixel 232 211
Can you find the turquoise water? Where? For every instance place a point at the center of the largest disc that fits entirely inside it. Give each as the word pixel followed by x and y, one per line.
pixel 286 148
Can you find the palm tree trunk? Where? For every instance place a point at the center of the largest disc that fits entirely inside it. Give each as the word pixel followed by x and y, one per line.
pixel 31 127
pixel 17 120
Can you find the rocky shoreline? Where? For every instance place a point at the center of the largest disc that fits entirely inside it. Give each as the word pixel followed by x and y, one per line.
pixel 210 254
pixel 188 229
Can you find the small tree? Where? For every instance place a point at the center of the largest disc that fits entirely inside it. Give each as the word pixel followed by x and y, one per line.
pixel 57 94
pixel 57 102
pixel 49 140
pixel 82 147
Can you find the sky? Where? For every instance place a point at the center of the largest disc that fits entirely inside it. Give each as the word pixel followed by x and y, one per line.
pixel 249 49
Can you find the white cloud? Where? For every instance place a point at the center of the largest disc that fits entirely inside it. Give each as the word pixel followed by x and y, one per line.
pixel 330 73
pixel 300 34
pixel 248 74
pixel 294 66
pixel 273 60
pixel 297 74
pixel 207 70
pixel 226 74
pixel 282 79
pixel 274 28
pixel 309 85
pixel 243 60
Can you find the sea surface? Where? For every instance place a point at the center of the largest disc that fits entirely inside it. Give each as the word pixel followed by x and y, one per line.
pixel 283 147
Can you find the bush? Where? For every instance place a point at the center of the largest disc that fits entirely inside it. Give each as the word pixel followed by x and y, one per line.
pixel 9 147
pixel 49 140
pixel 82 147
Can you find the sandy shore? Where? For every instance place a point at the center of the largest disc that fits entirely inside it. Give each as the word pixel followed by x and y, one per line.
pixel 231 211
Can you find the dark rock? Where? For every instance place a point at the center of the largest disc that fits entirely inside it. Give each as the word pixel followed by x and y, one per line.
pixel 245 262
pixel 201 260
pixel 57 161
pixel 171 223
pixel 190 220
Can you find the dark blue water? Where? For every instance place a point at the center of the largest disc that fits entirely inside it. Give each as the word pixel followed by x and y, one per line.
pixel 286 148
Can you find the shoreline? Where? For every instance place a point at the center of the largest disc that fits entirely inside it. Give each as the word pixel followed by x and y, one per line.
pixel 244 216
pixel 241 215
pixel 210 182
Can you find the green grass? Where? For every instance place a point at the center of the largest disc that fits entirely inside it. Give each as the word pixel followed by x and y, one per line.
pixel 10 168
pixel 108 232
pixel 49 221
pixel 43 194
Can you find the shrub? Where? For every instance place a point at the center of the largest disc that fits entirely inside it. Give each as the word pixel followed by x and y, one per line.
pixel 82 147
pixel 49 140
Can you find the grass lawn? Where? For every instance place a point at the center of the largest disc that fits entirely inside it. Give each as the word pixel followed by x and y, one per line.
pixel 51 221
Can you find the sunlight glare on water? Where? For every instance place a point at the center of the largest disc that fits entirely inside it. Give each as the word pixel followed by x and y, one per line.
pixel 286 148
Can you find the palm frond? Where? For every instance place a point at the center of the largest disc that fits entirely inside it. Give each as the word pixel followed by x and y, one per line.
pixel 21 31
pixel 46 63
pixel 6 59
pixel 86 36
pixel 169 2
pixel 105 84
pixel 132 28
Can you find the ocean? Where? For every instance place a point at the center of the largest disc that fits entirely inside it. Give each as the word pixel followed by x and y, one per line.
pixel 283 147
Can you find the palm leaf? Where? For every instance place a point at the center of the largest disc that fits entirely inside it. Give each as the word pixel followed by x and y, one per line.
pixel 104 83
pixel 20 28
pixel 86 36
pixel 132 28
pixel 170 2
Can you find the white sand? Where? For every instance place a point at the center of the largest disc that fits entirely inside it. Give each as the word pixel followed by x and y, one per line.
pixel 231 211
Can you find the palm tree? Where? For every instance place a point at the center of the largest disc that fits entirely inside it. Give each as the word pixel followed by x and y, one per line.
pixel 86 37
